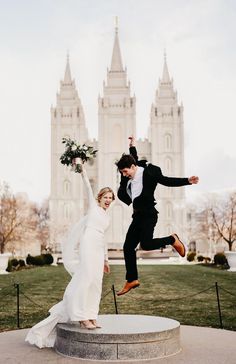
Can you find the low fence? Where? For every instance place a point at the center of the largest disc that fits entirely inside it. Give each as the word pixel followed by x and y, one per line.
pixel 17 292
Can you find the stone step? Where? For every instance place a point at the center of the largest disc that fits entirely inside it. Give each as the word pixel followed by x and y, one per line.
pixel 122 337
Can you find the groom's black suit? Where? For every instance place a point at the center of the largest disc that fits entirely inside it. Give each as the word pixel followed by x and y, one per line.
pixel 145 215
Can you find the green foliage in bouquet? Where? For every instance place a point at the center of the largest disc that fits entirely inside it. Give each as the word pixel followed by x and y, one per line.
pixel 73 150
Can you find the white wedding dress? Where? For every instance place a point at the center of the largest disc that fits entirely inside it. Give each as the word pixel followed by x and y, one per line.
pixel 83 253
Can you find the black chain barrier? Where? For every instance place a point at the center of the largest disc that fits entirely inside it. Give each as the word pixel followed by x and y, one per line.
pixel 225 290
pixel 112 289
pixel 106 294
pixel 5 294
pixel 30 299
pixel 5 287
pixel 184 297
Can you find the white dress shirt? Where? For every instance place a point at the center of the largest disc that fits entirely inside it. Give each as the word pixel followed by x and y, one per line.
pixel 136 184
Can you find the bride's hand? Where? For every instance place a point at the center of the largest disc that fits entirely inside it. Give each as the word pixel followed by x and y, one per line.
pixel 106 267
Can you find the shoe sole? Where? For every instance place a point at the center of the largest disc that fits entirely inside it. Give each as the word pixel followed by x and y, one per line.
pixel 182 245
pixel 121 294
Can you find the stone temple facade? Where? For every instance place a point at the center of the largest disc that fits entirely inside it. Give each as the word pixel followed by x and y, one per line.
pixel 116 122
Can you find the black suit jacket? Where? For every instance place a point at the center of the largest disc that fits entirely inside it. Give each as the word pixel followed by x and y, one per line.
pixel 152 175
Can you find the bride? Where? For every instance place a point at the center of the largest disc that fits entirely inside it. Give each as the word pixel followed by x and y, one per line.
pixel 84 254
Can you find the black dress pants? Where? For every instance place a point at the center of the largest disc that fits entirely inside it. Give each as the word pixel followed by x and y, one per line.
pixel 141 231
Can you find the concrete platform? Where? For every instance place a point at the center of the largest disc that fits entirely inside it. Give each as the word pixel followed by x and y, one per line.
pixel 200 345
pixel 122 337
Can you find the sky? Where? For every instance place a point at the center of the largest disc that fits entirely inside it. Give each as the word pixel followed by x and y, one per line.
pixel 199 39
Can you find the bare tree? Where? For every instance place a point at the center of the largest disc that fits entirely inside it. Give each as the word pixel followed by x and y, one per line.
pixel 224 219
pixel 42 214
pixel 10 221
pixel 201 225
pixel 17 219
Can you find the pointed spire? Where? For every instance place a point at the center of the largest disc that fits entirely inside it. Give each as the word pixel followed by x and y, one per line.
pixel 165 74
pixel 67 77
pixel 116 61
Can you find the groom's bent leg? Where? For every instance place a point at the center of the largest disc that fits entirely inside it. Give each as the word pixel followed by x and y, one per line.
pixel 131 242
pixel 146 236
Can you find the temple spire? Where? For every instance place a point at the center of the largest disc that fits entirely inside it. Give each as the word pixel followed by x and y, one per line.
pixel 116 61
pixel 67 77
pixel 165 74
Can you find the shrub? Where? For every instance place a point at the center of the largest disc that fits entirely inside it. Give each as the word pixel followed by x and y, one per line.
pixel 48 258
pixel 191 256
pixel 29 259
pixel 14 262
pixel 200 258
pixel 12 265
pixel 38 260
pixel 43 259
pixel 9 266
pixel 21 263
pixel 220 259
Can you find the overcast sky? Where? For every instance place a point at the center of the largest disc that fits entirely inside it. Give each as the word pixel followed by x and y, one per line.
pixel 199 38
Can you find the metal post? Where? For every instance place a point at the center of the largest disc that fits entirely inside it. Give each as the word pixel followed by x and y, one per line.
pixel 17 286
pixel 218 302
pixel 114 295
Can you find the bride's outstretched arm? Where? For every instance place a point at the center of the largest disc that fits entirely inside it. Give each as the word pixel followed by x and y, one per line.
pixel 88 188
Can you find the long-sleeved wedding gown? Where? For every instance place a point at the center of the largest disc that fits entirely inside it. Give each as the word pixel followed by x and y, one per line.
pixel 83 254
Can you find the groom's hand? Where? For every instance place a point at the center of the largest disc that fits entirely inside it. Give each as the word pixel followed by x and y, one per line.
pixel 193 180
pixel 131 141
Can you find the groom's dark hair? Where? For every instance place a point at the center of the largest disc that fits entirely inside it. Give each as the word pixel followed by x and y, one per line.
pixel 126 161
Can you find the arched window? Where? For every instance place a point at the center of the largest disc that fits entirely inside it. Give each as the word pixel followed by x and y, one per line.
pixel 168 165
pixel 169 191
pixel 169 230
pixel 116 175
pixel 67 211
pixel 66 187
pixel 168 142
pixel 169 210
pixel 117 138
pixel 117 227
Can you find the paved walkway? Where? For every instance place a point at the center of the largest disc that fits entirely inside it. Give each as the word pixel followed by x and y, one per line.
pixel 200 345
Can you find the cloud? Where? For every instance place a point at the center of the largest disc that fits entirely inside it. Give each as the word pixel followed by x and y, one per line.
pixel 216 171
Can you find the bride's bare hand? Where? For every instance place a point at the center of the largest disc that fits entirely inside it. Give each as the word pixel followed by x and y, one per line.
pixel 106 268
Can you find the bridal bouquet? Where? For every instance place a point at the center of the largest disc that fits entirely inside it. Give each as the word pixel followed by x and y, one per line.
pixel 75 155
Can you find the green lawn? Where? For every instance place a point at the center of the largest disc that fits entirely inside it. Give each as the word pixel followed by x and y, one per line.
pixel 166 290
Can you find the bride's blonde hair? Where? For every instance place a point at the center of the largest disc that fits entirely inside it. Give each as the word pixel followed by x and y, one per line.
pixel 103 191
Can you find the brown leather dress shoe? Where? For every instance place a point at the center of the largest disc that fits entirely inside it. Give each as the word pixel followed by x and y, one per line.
pixel 128 286
pixel 178 245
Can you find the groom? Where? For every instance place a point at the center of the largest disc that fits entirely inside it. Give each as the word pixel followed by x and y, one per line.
pixel 138 183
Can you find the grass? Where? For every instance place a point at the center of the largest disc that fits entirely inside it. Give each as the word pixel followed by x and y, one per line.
pixel 166 290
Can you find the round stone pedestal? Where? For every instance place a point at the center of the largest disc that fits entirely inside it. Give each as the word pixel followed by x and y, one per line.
pixel 122 337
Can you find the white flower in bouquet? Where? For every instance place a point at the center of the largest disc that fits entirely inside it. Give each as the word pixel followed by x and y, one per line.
pixel 75 155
